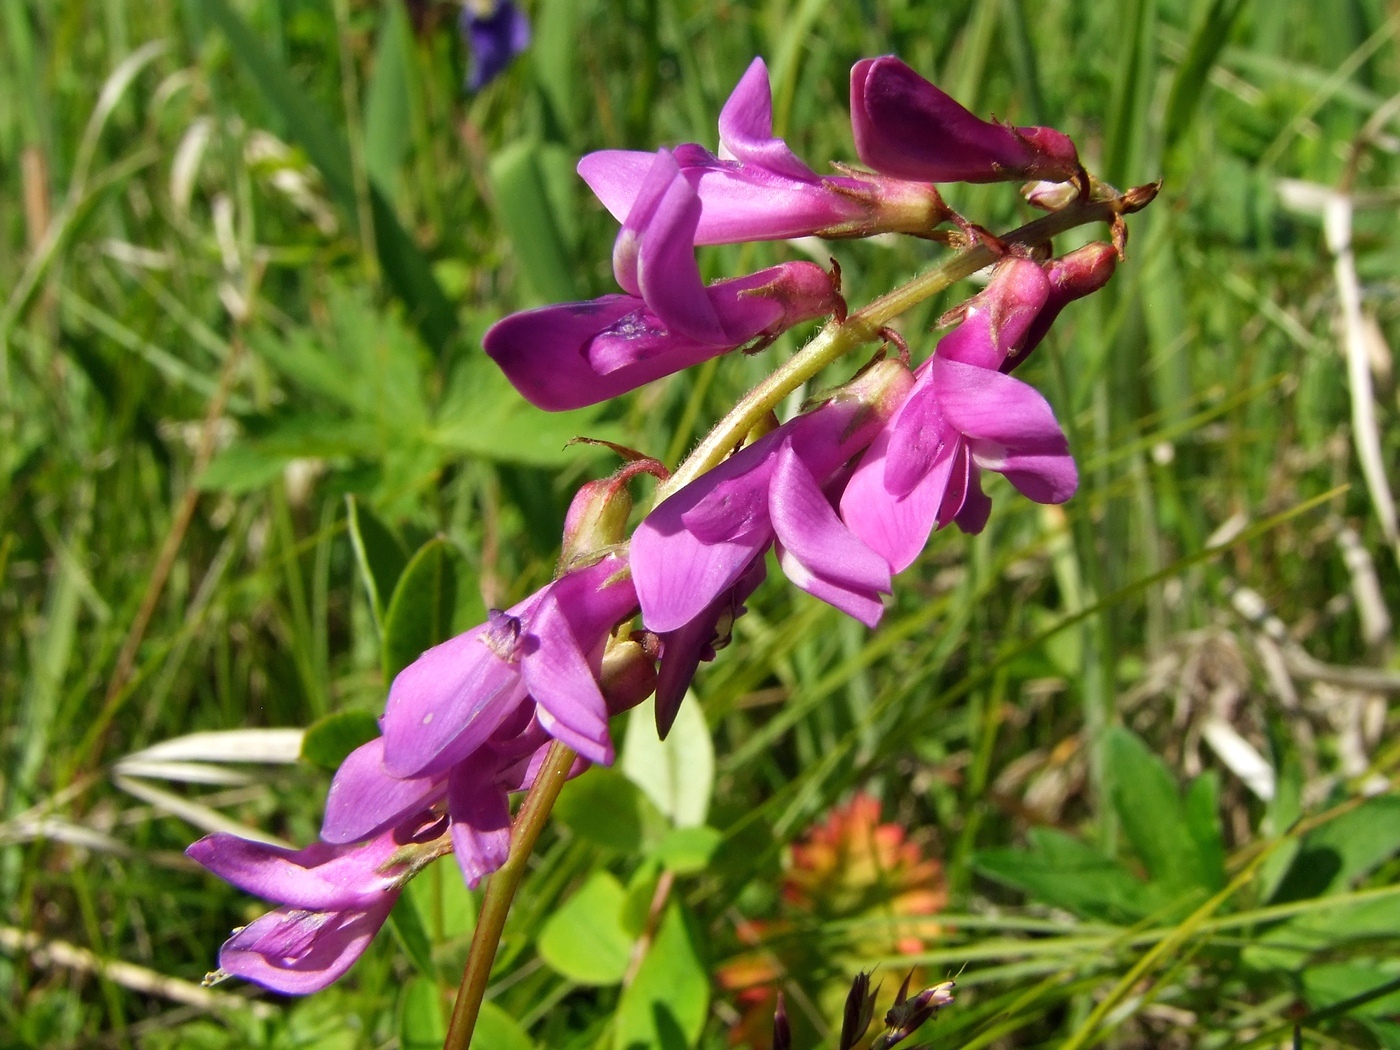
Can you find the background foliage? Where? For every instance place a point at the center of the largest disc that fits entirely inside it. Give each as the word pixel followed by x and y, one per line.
pixel 247 250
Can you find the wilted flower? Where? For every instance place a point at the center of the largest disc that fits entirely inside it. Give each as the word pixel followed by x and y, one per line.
pixel 963 415
pixel 698 543
pixel 906 127
pixel 757 189
pixel 495 31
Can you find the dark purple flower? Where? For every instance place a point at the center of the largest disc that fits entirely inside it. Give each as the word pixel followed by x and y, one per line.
pixel 575 354
pixel 544 652
pixel 334 899
pixel 963 415
pixel 697 545
pixel 495 31
pixel 757 189
pixel 906 127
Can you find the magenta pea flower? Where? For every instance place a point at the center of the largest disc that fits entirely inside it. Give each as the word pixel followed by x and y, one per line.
pixel 334 900
pixel 575 354
pixel 963 415
pixel 547 649
pixel 757 189
pixel 906 127
pixel 698 544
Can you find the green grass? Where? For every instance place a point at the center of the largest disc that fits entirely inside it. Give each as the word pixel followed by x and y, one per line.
pixel 224 241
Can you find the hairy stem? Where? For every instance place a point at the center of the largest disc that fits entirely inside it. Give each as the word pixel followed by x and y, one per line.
pixel 500 891
pixel 838 339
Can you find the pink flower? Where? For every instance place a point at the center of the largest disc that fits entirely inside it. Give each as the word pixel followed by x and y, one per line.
pixel 334 899
pixel 698 544
pixel 963 415
pixel 547 649
pixel 576 354
pixel 906 127
pixel 757 189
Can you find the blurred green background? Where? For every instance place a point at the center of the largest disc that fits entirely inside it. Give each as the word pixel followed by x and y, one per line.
pixel 1125 767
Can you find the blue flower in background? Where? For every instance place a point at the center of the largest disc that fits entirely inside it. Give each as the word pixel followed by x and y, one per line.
pixel 496 31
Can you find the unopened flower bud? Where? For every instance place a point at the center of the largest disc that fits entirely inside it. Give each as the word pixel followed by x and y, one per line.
pixel 1072 277
pixel 881 388
pixel 597 520
pixel 628 676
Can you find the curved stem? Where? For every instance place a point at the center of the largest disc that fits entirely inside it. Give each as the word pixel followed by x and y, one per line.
pixel 500 891
pixel 836 340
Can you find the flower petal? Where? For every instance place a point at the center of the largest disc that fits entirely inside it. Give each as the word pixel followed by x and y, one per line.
pixel 446 703
pixel 746 127
pixel 480 825
pixel 1012 429
pixel 296 952
pixel 558 676
pixel 364 799
pixel 318 878
pixel 977 506
pixel 897 528
pixel 831 557
pixel 615 176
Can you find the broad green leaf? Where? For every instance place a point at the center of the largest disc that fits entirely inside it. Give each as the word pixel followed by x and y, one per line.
pixel 1342 850
pixel 678 773
pixel 641 892
pixel 524 208
pixel 584 940
pixel 329 740
pixel 388 124
pixel 554 56
pixel 1062 871
pixel 605 808
pixel 1154 819
pixel 688 850
pixel 1371 985
pixel 666 1005
pixel 498 1030
pixel 379 554
pixel 420 613
pixel 1203 823
pixel 242 467
pixel 422 1024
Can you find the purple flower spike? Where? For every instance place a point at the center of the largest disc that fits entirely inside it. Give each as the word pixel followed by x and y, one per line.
pixel 450 701
pixel 334 900
pixel 496 31
pixel 906 127
pixel 692 549
pixel 757 189
pixel 964 415
pixel 576 354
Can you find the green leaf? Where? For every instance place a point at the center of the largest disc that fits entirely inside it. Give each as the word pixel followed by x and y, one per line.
pixel 686 851
pixel 407 271
pixel 388 124
pixel 554 56
pixel 330 739
pixel 1193 74
pixel 407 925
pixel 524 209
pixel 379 554
pixel 242 467
pixel 420 613
pixel 584 940
pixel 498 1030
pixel 678 773
pixel 421 1022
pixel 666 1005
pixel 442 897
pixel 1203 823
pixel 605 808
pixel 1342 850
pixel 1064 872
pixel 641 891
pixel 1154 819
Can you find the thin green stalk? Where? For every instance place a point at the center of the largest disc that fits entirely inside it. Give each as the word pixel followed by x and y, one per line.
pixel 840 338
pixel 500 891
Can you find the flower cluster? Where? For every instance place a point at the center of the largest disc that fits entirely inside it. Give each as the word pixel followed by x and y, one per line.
pixel 845 494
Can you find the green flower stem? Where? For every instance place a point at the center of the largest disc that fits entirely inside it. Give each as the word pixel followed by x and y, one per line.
pixel 838 339
pixel 500 891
